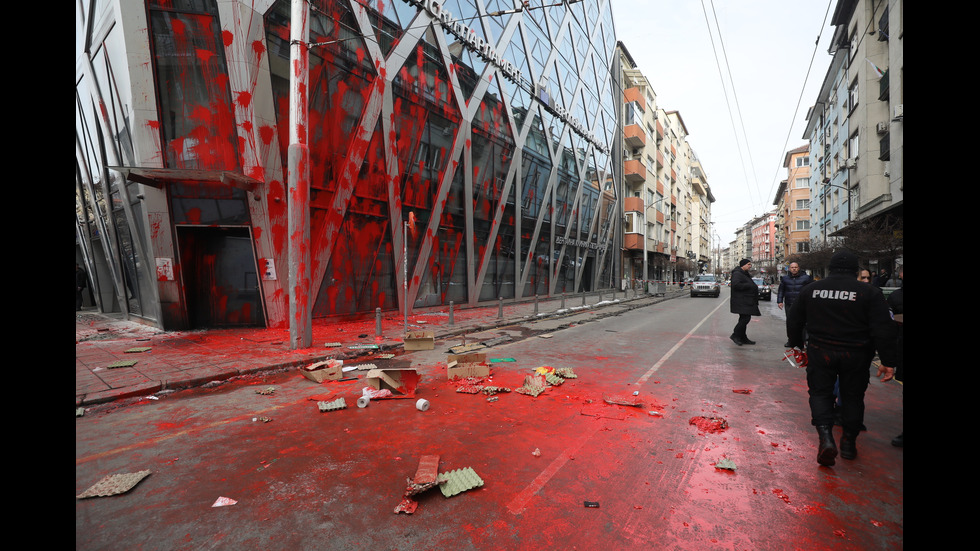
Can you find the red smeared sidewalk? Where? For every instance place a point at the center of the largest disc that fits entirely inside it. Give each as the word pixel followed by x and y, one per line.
pixel 184 359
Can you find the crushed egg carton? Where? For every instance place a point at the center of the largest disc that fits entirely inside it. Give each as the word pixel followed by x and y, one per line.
pixel 339 403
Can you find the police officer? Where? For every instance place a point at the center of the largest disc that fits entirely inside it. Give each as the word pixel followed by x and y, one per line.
pixel 846 322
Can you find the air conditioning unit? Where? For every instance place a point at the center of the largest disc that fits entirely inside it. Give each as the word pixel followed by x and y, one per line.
pixel 897 112
pixel 882 127
pixel 851 163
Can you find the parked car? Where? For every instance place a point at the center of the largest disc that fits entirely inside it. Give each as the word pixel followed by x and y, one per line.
pixel 765 291
pixel 707 285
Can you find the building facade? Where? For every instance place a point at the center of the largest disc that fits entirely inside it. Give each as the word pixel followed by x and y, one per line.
pixel 457 151
pixel 855 127
pixel 793 209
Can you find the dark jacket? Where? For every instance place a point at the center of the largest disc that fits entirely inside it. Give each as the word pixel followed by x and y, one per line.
pixel 789 287
pixel 841 313
pixel 745 294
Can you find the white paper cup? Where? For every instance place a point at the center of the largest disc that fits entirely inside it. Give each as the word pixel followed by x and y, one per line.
pixel 422 405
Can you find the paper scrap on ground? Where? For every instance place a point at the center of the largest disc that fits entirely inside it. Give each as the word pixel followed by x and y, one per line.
pixel 137 349
pixel 222 501
pixel 459 481
pixel 726 463
pixel 114 484
pixel 121 363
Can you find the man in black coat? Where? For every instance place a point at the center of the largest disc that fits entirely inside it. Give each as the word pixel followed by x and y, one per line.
pixel 789 287
pixel 81 281
pixel 846 321
pixel 744 301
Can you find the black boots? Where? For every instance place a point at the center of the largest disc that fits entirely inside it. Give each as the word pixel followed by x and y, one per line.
pixel 827 449
pixel 899 441
pixel 848 446
pixel 736 339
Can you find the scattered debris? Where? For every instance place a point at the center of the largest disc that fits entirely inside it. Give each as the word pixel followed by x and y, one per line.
pixel 566 373
pixel 498 360
pixel 422 405
pixel 493 398
pixel 323 371
pixel 223 501
pixel 469 389
pixel 363 367
pixel 385 356
pixel 114 484
pixel 655 413
pixel 726 464
pixel 263 419
pixel 592 504
pixel 332 344
pixel 79 412
pixel 426 476
pixel 496 340
pixel 339 403
pixel 554 380
pixel 464 348
pixel 374 393
pixel 121 363
pixel 709 424
pixel 407 506
pixel 536 452
pixel 742 391
pixel 632 401
pixel 363 402
pixel 401 382
pixel 266 391
pixel 138 349
pixel 546 336
pixel 533 386
pixel 364 346
pixel 467 365
pixel 491 390
pixel 458 481
pixel 420 340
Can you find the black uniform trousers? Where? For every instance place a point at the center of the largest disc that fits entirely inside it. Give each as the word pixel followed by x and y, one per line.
pixel 824 366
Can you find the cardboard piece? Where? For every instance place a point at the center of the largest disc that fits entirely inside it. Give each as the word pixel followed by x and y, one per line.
pixel 401 382
pixel 326 370
pixel 420 340
pixel 462 366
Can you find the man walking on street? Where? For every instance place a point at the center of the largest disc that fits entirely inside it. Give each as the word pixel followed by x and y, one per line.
pixel 744 301
pixel 789 287
pixel 846 322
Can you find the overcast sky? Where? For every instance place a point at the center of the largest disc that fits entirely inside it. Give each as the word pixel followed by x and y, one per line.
pixel 769 45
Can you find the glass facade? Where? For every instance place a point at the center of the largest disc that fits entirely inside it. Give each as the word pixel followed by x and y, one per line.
pixel 464 143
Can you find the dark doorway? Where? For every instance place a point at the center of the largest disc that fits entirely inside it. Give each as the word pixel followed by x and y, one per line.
pixel 220 278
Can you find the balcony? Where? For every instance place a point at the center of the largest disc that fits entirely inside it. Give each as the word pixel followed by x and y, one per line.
pixel 632 204
pixel 634 171
pixel 635 95
pixel 634 135
pixel 633 241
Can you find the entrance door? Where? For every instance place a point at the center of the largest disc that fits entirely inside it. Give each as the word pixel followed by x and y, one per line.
pixel 220 278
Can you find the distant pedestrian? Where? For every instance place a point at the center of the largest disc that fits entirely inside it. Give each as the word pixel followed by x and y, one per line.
pixel 846 322
pixel 81 282
pixel 864 275
pixel 744 301
pixel 789 287
pixel 880 279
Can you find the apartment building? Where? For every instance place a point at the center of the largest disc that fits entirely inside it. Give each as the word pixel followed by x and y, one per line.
pixel 855 127
pixel 793 206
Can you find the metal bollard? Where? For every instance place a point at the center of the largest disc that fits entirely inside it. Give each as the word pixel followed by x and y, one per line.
pixel 563 300
pixel 500 309
pixel 535 305
pixel 451 312
pixel 600 296
pixel 377 322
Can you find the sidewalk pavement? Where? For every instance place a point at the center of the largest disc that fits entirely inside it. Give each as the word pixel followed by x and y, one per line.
pixel 117 359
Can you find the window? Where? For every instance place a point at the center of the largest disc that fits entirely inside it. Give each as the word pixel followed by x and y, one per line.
pixel 802 182
pixel 802 161
pixel 802 204
pixel 802 225
pixel 852 96
pixel 631 223
pixel 852 145
pixel 803 247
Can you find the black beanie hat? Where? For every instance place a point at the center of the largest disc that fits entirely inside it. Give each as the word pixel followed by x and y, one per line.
pixel 843 261
pixel 743 262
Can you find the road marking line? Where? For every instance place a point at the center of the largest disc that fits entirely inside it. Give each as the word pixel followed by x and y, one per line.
pixel 518 504
pixel 646 376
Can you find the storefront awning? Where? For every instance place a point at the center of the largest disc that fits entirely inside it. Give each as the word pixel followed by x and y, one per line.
pixel 160 177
